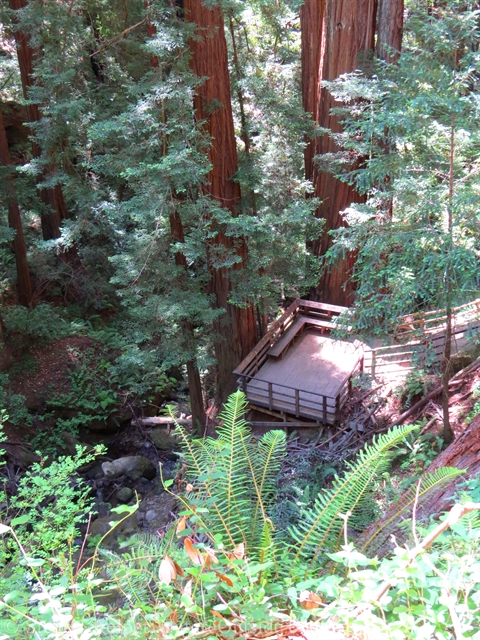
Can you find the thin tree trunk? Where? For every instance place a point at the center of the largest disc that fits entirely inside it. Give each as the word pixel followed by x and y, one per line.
pixel 24 285
pixel 448 434
pixel 389 29
pixel 245 134
pixel 236 330
pixel 194 383
pixel 348 29
pixel 51 196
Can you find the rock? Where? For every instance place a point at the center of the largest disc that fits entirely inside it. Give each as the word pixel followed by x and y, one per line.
pixel 71 443
pixel 150 515
pixel 124 495
pixel 105 526
pixel 26 458
pixel 132 466
pixel 162 439
pixel 157 511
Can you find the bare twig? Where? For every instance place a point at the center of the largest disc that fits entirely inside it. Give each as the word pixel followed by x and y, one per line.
pixel 117 37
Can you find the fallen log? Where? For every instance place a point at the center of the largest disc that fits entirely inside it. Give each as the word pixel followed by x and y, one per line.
pixel 421 403
pixel 160 420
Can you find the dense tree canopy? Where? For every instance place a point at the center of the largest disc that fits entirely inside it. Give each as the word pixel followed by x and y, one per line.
pixel 171 165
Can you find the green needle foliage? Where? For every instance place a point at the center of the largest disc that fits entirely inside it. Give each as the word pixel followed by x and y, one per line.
pixel 411 145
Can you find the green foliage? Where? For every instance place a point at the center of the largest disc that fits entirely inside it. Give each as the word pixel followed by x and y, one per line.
pixel 476 407
pixel 13 403
pixel 42 323
pixel 411 146
pixel 234 478
pixel 223 557
pixel 51 504
pixel 320 528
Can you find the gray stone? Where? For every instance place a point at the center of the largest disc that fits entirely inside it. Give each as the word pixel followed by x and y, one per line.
pixel 158 511
pixel 162 439
pixel 124 495
pixel 134 467
pixel 150 515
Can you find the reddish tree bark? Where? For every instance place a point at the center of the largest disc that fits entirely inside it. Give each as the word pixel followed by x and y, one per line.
pixel 52 196
pixel 312 14
pixel 389 29
pixel 24 285
pixel 348 28
pixel 236 330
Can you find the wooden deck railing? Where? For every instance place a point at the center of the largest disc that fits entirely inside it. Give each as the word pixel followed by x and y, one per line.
pixel 422 341
pixel 298 402
pixel 257 357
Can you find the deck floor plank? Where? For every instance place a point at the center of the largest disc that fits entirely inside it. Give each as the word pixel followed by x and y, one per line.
pixel 314 364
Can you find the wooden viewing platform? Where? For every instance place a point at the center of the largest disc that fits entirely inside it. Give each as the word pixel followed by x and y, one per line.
pixel 297 369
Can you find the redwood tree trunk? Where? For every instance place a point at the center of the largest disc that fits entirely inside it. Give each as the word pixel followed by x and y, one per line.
pixel 24 285
pixel 236 330
pixel 348 29
pixel 389 29
pixel 52 196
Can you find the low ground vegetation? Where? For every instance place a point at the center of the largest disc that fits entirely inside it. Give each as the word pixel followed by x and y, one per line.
pixel 227 565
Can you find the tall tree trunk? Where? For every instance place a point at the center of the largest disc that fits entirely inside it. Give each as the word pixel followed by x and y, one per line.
pixel 448 434
pixel 348 29
pixel 24 285
pixel 193 374
pixel 312 15
pixel 51 196
pixel 389 29
pixel 236 330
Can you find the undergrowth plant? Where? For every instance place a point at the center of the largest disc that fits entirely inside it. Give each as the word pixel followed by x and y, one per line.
pixel 223 566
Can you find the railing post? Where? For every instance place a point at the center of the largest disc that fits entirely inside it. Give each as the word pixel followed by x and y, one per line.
pixel 244 384
pixel 270 396
pixel 297 402
pixel 325 409
pixel 374 357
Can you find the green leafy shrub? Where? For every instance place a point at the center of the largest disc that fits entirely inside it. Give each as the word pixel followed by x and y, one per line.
pixel 51 504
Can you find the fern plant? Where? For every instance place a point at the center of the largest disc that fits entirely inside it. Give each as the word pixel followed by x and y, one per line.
pixel 232 491
pixel 233 477
pixel 376 541
pixel 319 529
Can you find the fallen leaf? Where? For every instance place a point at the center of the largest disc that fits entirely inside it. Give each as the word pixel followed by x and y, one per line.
pixel 194 554
pixel 216 614
pixel 224 578
pixel 210 558
pixel 309 600
pixel 182 524
pixel 167 571
pixel 178 568
pixel 238 553
pixel 187 589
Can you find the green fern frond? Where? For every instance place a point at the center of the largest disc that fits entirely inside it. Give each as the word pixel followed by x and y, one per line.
pixel 373 542
pixel 266 462
pixel 234 476
pixel 135 570
pixel 320 527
